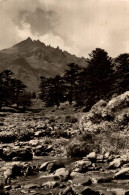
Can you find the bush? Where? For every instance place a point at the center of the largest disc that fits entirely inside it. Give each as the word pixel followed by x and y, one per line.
pixel 81 146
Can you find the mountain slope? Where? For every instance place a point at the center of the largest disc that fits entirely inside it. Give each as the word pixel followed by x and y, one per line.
pixel 31 59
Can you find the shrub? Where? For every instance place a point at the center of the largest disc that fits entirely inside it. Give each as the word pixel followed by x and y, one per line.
pixel 81 146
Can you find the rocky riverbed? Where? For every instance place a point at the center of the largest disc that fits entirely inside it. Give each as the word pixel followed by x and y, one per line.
pixel 48 152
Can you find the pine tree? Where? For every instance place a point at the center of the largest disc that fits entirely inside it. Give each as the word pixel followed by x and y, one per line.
pixel 71 78
pixel 96 79
pixel 122 73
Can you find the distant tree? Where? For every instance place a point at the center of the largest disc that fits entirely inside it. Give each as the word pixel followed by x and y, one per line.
pixel 122 72
pixel 43 87
pixel 51 90
pixel 11 89
pixel 71 78
pixel 6 84
pixel 19 88
pixel 24 100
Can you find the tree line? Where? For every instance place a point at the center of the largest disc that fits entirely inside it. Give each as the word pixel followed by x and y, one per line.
pixel 101 79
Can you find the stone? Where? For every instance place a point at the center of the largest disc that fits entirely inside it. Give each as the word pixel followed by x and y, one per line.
pixel 100 158
pixel 82 165
pixel 43 166
pixel 17 186
pixel 8 187
pixel 116 163
pixel 51 167
pixel 85 181
pixel 33 142
pixel 23 154
pixel 89 191
pixel 16 159
pixel 68 191
pixel 50 184
pixel 62 174
pixel 107 155
pixel 122 174
pixel 92 156
pixel 31 186
pixel 39 152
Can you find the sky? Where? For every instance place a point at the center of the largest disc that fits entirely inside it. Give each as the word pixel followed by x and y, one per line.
pixel 77 26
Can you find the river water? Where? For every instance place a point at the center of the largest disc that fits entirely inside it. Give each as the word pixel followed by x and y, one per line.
pixel 115 187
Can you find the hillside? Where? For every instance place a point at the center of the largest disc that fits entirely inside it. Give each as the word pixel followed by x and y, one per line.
pixel 31 59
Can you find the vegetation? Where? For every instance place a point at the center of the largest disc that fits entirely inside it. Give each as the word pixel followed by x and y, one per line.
pixel 84 86
pixel 12 91
pixel 101 79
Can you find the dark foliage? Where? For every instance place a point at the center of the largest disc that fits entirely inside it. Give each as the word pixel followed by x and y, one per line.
pixel 103 78
pixel 122 74
pixel 52 91
pixel 12 91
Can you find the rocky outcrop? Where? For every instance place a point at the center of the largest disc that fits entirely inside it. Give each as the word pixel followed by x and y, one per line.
pixel 105 113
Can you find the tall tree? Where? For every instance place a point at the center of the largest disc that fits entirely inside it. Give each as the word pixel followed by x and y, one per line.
pixel 71 78
pixel 96 82
pixel 122 72
pixel 51 90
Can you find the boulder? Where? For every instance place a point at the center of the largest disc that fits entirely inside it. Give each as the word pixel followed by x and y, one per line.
pixel 107 155
pixel 68 191
pixel 82 165
pixel 51 167
pixel 12 171
pixel 43 166
pixel 23 154
pixel 119 102
pixel 116 163
pixel 62 174
pixel 33 142
pixel 89 191
pixel 122 174
pixel 92 156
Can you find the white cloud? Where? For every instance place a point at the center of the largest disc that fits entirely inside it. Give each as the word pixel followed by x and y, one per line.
pixel 82 25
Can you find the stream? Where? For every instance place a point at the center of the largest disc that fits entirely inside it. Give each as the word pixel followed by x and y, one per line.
pixel 117 187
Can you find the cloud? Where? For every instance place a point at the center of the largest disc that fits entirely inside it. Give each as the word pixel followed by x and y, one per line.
pixel 76 26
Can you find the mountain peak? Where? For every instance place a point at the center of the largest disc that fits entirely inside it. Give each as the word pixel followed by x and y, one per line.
pixel 30 59
pixel 25 43
pixel 29 39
